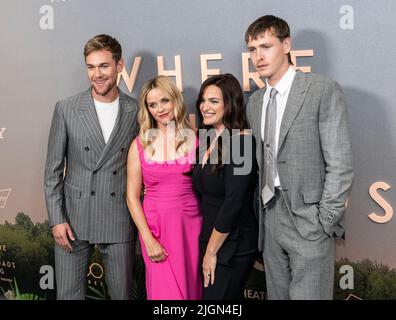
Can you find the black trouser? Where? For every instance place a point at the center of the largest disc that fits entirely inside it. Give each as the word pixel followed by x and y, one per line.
pixel 230 279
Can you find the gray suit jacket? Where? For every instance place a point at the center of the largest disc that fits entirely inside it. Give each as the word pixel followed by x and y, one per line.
pixel 314 156
pixel 91 194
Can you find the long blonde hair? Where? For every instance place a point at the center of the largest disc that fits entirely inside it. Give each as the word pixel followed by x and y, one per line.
pixel 146 120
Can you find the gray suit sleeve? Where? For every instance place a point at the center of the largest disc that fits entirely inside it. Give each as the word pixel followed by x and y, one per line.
pixel 54 168
pixel 136 127
pixel 248 113
pixel 337 154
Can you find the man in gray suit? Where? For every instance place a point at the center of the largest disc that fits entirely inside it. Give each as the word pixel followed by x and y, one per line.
pixel 305 166
pixel 85 177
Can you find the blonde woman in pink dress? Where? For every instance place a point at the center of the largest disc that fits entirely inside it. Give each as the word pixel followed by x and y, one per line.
pixel 169 221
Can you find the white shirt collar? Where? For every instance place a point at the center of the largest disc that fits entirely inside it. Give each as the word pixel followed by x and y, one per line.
pixel 285 83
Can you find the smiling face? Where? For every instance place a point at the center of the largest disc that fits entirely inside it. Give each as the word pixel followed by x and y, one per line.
pixel 103 73
pixel 212 107
pixel 160 106
pixel 269 55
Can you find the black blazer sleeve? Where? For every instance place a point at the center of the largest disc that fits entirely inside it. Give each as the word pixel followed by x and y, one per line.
pixel 237 180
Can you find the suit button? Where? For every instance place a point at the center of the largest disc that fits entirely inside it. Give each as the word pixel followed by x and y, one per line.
pixel 86 148
pixel 92 193
pixel 122 149
pixel 114 172
pixel 95 172
pixel 330 217
pixel 113 194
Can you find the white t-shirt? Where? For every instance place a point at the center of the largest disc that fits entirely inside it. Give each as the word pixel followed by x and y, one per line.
pixel 107 115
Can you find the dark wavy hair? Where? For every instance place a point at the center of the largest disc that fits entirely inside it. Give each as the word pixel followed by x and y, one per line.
pixel 234 109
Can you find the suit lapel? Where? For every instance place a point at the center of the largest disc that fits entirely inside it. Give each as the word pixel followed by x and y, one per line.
pixel 258 110
pixel 90 122
pixel 295 100
pixel 121 128
pixel 256 126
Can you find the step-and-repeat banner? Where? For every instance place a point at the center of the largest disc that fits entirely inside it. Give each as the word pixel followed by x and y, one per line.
pixel 41 61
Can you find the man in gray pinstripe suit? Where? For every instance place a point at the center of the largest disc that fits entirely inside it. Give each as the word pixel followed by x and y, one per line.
pixel 85 177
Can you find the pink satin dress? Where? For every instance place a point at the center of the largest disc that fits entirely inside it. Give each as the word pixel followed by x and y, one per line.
pixel 172 213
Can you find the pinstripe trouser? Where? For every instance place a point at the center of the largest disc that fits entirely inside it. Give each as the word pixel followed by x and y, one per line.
pixel 71 269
